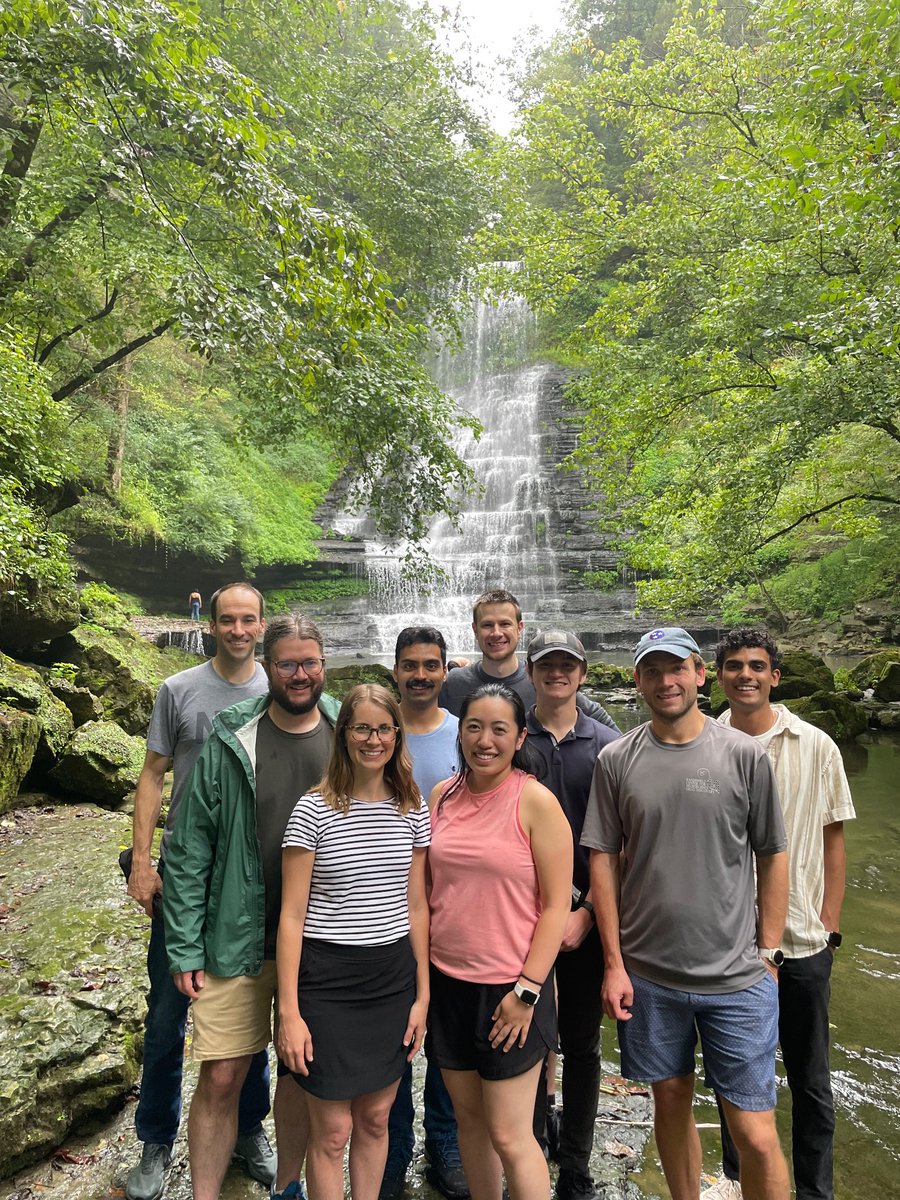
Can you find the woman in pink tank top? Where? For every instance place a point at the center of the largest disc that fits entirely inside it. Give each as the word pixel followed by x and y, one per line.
pixel 501 868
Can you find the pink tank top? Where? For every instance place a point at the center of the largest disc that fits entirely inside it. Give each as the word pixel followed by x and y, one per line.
pixel 485 900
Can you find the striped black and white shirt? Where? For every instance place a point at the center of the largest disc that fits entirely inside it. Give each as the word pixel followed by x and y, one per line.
pixel 358 890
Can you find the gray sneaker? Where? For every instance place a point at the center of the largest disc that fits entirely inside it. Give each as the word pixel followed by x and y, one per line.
pixel 253 1153
pixel 147 1180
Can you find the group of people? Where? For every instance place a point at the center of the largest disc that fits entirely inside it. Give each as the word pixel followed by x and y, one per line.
pixel 491 860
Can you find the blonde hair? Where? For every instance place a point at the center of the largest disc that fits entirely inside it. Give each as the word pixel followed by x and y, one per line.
pixel 337 782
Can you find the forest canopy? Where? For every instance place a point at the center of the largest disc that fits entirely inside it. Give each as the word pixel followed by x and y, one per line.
pixel 224 232
pixel 706 199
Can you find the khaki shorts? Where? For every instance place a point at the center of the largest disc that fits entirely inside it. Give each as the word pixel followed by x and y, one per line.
pixel 233 1017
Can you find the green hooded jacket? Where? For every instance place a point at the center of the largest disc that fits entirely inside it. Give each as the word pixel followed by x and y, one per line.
pixel 214 894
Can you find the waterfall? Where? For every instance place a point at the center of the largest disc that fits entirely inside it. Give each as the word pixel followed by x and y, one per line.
pixel 502 535
pixel 191 640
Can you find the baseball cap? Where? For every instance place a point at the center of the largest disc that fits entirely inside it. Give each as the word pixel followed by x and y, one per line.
pixel 555 639
pixel 671 639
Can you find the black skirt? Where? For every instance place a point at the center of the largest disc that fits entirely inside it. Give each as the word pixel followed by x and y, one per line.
pixel 356 1002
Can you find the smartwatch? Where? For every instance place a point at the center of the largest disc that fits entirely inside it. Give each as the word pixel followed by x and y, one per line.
pixel 834 939
pixel 526 995
pixel 775 957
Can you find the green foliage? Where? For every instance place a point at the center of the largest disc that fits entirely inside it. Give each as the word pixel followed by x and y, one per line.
pixel 65 671
pixel 103 606
pixel 601 581
pixel 315 591
pixel 723 216
pixel 286 191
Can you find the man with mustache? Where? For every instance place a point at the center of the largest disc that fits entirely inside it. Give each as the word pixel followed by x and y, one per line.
pixel 420 668
pixel 223 893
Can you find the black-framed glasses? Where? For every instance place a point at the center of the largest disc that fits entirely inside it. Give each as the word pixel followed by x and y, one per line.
pixel 288 667
pixel 362 733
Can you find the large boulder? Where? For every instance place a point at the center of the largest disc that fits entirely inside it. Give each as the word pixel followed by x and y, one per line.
pixel 80 701
pixel 838 716
pixel 102 763
pixel 603 676
pixel 24 688
pixel 803 674
pixel 869 670
pixel 887 688
pixel 71 996
pixel 121 669
pixel 38 616
pixel 20 733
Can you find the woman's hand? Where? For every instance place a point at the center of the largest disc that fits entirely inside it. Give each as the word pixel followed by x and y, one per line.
pixel 512 1020
pixel 294 1043
pixel 415 1028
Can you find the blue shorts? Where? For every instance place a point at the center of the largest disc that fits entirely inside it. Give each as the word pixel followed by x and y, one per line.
pixel 738 1034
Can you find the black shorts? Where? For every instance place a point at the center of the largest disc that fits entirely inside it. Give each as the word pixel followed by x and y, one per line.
pixel 460 1020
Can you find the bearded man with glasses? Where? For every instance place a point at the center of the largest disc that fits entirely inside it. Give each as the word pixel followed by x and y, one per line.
pixel 223 895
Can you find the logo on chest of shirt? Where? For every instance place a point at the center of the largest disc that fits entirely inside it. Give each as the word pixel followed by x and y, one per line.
pixel 702 782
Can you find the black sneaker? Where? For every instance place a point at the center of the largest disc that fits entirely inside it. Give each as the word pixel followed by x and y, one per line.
pixel 554 1121
pixel 147 1180
pixel 572 1185
pixel 445 1171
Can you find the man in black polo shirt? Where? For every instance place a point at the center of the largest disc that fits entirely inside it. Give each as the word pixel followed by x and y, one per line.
pixel 569 741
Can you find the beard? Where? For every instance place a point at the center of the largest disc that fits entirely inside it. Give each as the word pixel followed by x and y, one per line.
pixel 280 694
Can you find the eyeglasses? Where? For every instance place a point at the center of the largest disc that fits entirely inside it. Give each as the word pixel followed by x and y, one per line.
pixel 289 667
pixel 362 733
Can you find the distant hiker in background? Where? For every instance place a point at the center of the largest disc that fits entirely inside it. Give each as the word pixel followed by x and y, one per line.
pixel 195 600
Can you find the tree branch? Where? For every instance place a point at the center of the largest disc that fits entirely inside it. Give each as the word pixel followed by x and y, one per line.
pixel 66 390
pixel 816 512
pixel 67 333
pixel 25 136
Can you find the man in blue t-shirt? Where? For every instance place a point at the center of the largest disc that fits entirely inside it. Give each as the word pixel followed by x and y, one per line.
pixel 420 668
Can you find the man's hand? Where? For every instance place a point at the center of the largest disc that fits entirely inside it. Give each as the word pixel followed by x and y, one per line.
pixel 189 983
pixel 617 993
pixel 578 926
pixel 143 884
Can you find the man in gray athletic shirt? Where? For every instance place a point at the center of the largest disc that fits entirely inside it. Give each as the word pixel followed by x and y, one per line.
pixel 181 722
pixel 685 810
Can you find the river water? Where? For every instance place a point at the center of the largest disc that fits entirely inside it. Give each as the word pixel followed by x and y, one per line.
pixel 865 1007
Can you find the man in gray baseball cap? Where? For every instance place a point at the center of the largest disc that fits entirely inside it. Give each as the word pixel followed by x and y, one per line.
pixel 676 817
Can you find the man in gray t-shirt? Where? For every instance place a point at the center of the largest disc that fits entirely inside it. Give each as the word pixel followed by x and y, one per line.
pixel 181 722
pixel 676 816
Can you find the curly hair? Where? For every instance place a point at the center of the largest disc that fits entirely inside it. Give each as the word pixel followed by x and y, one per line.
pixel 746 637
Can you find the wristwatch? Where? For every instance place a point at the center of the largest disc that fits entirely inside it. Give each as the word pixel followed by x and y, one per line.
pixel 526 995
pixel 775 957
pixel 834 939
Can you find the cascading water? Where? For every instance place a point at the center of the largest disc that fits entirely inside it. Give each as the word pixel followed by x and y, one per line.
pixel 502 535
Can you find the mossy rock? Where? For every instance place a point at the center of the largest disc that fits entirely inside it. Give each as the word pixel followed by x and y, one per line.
pixel 342 679
pixel 102 763
pixel 122 669
pixel 80 701
pixel 838 716
pixel 604 676
pixel 887 689
pixel 71 988
pixel 38 616
pixel 803 674
pixel 24 688
pixel 869 670
pixel 717 701
pixel 20 733
pixel 888 718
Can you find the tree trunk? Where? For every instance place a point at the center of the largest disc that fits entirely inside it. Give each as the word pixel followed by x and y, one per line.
pixel 116 450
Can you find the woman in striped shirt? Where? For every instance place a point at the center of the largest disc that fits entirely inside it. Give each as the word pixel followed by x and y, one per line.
pixel 353 943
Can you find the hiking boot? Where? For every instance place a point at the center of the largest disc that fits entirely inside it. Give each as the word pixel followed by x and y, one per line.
pixel 254 1155
pixel 147 1180
pixel 725 1189
pixel 293 1191
pixel 572 1185
pixel 445 1171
